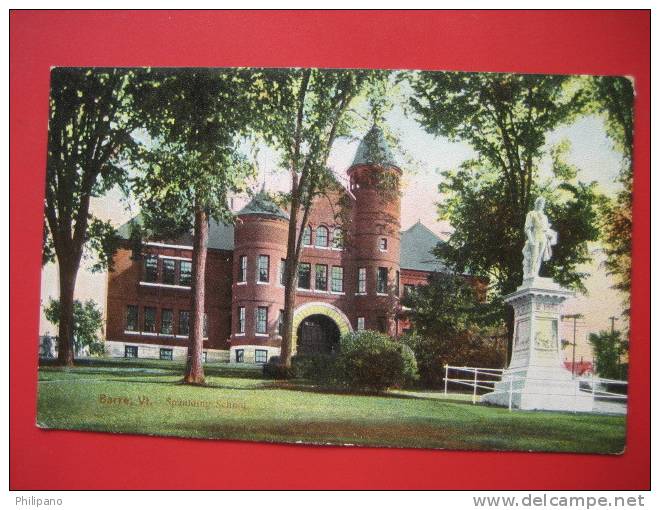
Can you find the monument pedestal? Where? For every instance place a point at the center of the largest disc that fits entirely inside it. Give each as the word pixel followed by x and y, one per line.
pixel 535 377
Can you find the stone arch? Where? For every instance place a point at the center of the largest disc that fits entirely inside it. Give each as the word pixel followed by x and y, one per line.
pixel 319 308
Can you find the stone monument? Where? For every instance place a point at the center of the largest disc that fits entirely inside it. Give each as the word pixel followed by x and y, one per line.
pixel 535 377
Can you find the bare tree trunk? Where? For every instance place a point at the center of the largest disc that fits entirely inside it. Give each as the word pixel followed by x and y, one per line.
pixel 290 284
pixel 65 345
pixel 194 367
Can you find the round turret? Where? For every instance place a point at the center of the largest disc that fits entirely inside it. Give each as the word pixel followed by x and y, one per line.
pixel 374 181
pixel 260 238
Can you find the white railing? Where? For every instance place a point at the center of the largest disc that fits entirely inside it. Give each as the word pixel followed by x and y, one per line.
pixel 474 380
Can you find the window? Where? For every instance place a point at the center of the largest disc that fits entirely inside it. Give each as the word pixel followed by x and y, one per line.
pixel 260 355
pixel 382 244
pixel 205 326
pixel 304 275
pixel 166 322
pixel 264 262
pixel 151 268
pixel 205 356
pixel 396 284
pixel 185 273
pixel 184 322
pixel 165 354
pixel 321 277
pixel 169 271
pixel 241 320
pixel 362 280
pixel 360 323
pixel 242 268
pixel 307 236
pixel 282 272
pixel 261 319
pixel 280 323
pixel 239 355
pixel 321 237
pixel 132 323
pixel 149 319
pixel 130 351
pixel 337 238
pixel 382 324
pixel 337 279
pixel 381 286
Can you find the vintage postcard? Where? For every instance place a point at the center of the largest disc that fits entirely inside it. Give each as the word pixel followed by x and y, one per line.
pixel 418 259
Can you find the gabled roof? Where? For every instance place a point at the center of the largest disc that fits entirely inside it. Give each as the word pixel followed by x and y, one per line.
pixel 221 236
pixel 374 149
pixel 262 204
pixel 417 244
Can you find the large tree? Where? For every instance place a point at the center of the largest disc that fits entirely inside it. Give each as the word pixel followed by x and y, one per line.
pixel 307 110
pixel 613 96
pixel 506 118
pixel 195 119
pixel 89 131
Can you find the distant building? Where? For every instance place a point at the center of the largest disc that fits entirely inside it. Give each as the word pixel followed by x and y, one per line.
pixel 355 264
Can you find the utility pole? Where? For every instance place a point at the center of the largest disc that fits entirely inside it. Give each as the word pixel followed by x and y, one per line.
pixel 612 319
pixel 575 317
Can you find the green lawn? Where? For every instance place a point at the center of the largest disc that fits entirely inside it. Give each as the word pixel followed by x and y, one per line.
pixel 238 404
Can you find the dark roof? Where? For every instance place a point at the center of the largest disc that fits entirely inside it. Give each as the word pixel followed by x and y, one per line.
pixel 374 149
pixel 221 236
pixel 263 205
pixel 417 244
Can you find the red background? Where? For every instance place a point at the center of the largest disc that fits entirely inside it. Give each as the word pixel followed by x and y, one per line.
pixel 538 42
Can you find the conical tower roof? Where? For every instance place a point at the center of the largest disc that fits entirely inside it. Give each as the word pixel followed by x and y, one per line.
pixel 373 149
pixel 262 204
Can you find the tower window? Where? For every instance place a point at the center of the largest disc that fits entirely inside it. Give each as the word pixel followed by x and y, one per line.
pixel 261 319
pixel 360 323
pixel 304 270
pixel 362 280
pixel 337 238
pixel 130 351
pixel 321 277
pixel 337 279
pixel 307 236
pixel 241 320
pixel 264 263
pixel 382 244
pixel 260 355
pixel 165 354
pixel 242 268
pixel 282 272
pixel 239 355
pixel 381 286
pixel 322 237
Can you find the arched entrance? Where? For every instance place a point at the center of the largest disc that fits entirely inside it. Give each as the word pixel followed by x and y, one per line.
pixel 317 334
pixel 320 331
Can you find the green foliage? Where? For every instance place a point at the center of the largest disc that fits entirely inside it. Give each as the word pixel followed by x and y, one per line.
pixel 452 324
pixel 89 140
pixel 609 350
pixel 506 119
pixel 320 368
pixel 87 324
pixel 369 360
pixel 614 97
pixel 196 120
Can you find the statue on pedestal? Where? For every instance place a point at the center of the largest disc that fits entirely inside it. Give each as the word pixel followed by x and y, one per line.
pixel 539 240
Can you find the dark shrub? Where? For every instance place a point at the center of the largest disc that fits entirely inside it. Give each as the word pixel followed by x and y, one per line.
pixel 433 353
pixel 320 368
pixel 273 369
pixel 369 360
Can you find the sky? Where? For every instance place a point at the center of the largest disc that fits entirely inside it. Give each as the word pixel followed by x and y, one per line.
pixel 591 152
